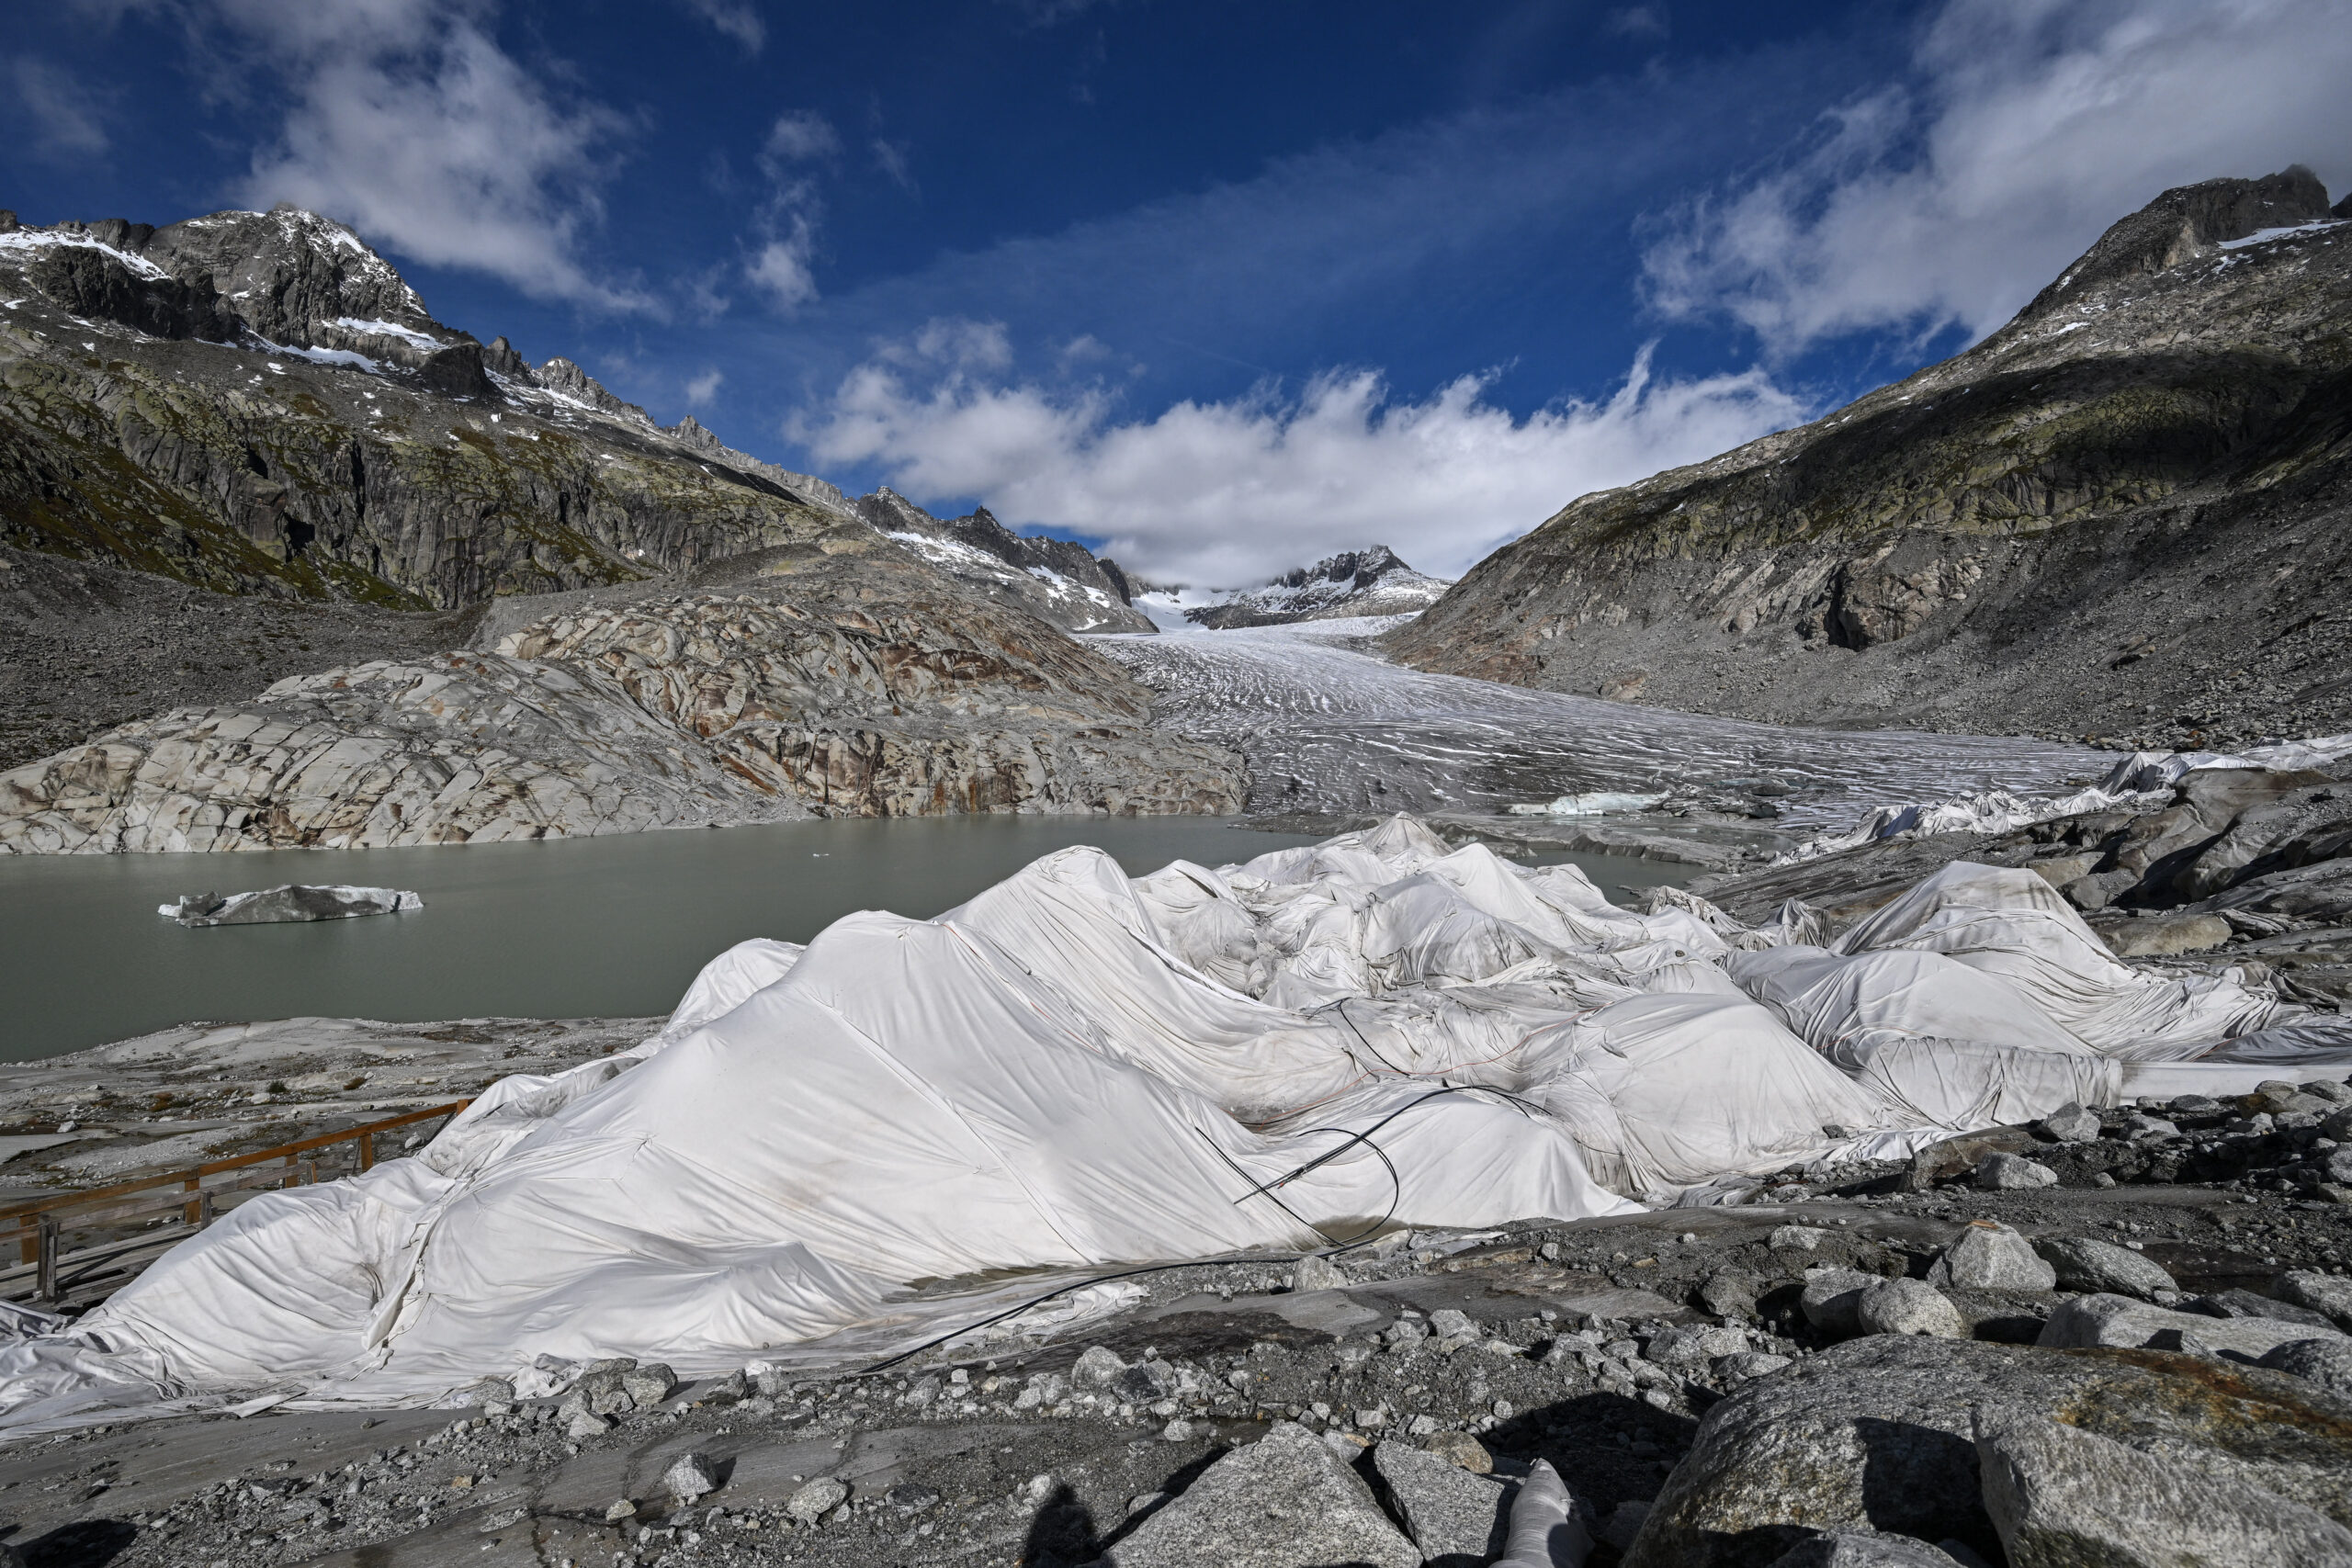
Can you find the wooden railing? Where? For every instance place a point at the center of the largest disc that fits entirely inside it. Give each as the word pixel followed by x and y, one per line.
pixel 63 1265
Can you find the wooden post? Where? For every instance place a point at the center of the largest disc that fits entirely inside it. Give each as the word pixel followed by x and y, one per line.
pixel 367 1151
pixel 203 1210
pixel 45 1277
pixel 29 1239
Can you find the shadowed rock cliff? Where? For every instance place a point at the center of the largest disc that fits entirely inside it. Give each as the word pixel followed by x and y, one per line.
pixel 2123 514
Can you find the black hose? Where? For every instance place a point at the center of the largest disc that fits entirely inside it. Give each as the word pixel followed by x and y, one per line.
pixel 1263 1191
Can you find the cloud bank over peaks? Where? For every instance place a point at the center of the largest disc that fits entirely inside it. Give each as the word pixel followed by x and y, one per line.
pixel 1230 493
pixel 1949 198
pixel 407 120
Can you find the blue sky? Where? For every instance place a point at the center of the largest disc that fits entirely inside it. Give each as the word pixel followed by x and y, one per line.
pixel 1221 287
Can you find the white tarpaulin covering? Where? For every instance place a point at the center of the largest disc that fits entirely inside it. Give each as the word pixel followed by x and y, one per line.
pixel 1076 1070
pixel 2140 778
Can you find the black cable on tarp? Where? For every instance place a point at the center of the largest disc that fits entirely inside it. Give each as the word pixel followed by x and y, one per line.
pixel 1266 1190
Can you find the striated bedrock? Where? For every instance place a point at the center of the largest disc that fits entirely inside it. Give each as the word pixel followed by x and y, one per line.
pixel 256 403
pixel 2127 513
pixel 785 698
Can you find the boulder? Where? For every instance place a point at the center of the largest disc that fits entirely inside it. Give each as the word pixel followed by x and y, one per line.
pixel 1315 1273
pixel 1456 1518
pixel 2082 1264
pixel 1797 1238
pixel 1908 1307
pixel 2071 1124
pixel 815 1500
pixel 1958 1157
pixel 2329 1293
pixel 2327 1362
pixel 1729 1293
pixel 1877 1434
pixel 2119 1322
pixel 1833 1298
pixel 650 1385
pixel 690 1476
pixel 2014 1173
pixel 1989 1256
pixel 2160 938
pixel 1285 1501
pixel 2060 1496
pixel 2242 1302
pixel 1097 1368
pixel 1865 1549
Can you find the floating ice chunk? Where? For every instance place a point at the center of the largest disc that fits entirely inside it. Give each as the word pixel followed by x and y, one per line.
pixel 294 901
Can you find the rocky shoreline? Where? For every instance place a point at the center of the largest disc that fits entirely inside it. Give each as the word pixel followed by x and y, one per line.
pixel 1703 1380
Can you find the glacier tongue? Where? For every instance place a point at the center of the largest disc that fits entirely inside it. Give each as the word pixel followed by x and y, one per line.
pixel 1330 726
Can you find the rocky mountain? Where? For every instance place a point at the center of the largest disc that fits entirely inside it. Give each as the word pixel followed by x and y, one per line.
pixel 840 679
pixel 1355 582
pixel 257 402
pixel 1055 580
pixel 2126 514
pixel 278 535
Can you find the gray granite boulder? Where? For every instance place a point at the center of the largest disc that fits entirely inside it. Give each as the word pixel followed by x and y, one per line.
pixel 1908 1307
pixel 2327 1362
pixel 1833 1298
pixel 1458 1519
pixel 2014 1173
pixel 1877 1434
pixel 2082 1264
pixel 1285 1501
pixel 2120 1323
pixel 2329 1293
pixel 1989 1256
pixel 1865 1549
pixel 2061 1496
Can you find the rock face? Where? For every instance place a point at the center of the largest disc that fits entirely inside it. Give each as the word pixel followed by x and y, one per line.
pixel 1058 581
pixel 257 402
pixel 1879 1433
pixel 1285 1501
pixel 832 686
pixel 1354 582
pixel 2076 526
pixel 2061 1496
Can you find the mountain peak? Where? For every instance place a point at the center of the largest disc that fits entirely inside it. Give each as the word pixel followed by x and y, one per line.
pixel 2185 223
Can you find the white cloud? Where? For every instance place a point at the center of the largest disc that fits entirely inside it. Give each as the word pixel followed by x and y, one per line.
pixel 738 20
pixel 704 388
pixel 64 115
pixel 408 122
pixel 799 136
pixel 2027 128
pixel 890 157
pixel 784 226
pixel 779 268
pixel 1638 22
pixel 1229 493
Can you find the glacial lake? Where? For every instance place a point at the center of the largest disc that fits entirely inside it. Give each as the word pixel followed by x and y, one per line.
pixel 579 928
